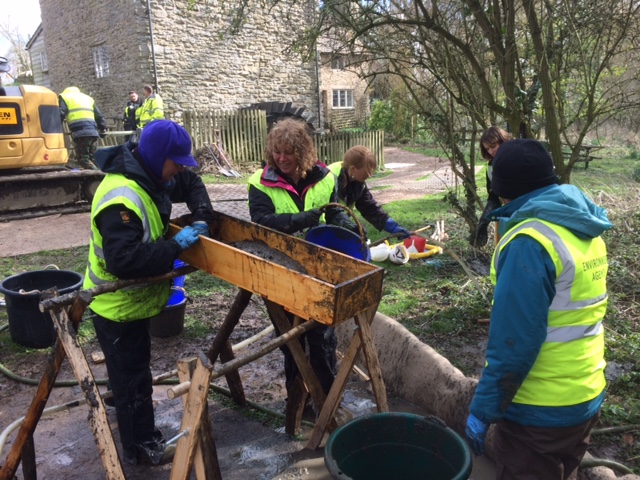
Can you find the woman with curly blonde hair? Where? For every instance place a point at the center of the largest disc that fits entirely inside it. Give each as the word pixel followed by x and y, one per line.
pixel 286 195
pixel 293 134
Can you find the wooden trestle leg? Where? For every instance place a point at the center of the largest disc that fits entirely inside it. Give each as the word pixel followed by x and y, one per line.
pixel 66 344
pixel 363 339
pixel 205 462
pixel 221 345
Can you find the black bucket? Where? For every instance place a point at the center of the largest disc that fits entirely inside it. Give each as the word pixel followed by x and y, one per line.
pixel 170 321
pixel 381 446
pixel 28 326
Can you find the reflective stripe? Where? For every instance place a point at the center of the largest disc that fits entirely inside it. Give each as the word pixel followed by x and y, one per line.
pixel 131 195
pixel 568 334
pixel 564 281
pixel 94 279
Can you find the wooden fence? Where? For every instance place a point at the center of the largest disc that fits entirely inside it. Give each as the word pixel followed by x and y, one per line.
pixel 331 148
pixel 243 134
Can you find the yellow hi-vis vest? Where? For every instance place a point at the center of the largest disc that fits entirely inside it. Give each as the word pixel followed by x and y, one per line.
pixel 151 109
pixel 570 366
pixel 131 303
pixel 79 105
pixel 317 196
pixel 336 168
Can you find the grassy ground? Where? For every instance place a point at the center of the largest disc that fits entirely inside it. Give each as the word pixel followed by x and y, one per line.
pixel 443 306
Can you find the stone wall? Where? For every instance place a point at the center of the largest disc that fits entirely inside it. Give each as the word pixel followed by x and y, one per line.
pixel 200 63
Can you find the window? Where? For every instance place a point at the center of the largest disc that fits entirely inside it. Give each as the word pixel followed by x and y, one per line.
pixel 337 63
pixel 101 61
pixel 343 99
pixel 44 62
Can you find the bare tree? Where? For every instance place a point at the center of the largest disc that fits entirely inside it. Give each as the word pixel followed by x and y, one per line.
pixel 16 53
pixel 548 69
pixel 556 69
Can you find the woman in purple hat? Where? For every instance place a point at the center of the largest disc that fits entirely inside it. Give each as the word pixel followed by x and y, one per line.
pixel 129 218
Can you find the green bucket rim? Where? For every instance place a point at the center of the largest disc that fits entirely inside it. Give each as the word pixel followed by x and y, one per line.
pixel 332 463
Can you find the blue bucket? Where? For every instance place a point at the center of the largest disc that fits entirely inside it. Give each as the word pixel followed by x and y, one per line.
pixel 339 239
pixel 177 296
pixel 178 281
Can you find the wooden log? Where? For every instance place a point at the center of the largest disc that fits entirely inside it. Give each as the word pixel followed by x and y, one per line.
pixel 233 377
pixel 328 411
pixel 229 324
pixel 373 365
pixel 54 362
pixel 277 342
pixel 196 403
pixel 205 462
pixel 276 312
pixel 29 460
pixel 97 414
pixel 89 293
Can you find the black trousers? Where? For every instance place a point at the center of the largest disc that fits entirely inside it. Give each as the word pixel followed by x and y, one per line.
pixel 531 453
pixel 127 351
pixel 322 341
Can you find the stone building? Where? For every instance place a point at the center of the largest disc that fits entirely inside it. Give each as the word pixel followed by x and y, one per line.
pixel 345 96
pixel 187 49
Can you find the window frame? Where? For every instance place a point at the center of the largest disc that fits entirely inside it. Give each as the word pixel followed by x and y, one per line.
pixel 342 99
pixel 44 61
pixel 100 61
pixel 337 62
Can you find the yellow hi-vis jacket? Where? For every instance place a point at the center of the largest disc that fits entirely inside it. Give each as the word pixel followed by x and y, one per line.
pixel 570 366
pixel 315 197
pixel 131 303
pixel 80 106
pixel 151 109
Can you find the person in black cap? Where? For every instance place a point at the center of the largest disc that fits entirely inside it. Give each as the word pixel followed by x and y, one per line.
pixel 130 214
pixel 543 383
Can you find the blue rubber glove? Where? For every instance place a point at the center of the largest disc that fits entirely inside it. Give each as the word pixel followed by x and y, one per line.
pixel 392 226
pixel 202 227
pixel 476 432
pixel 187 237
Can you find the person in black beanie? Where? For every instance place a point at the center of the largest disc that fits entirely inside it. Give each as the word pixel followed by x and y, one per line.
pixel 543 384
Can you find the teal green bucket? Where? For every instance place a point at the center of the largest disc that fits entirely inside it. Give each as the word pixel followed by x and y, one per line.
pixel 384 446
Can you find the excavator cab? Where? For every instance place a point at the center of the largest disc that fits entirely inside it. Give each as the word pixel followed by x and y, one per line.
pixel 31 132
pixel 34 177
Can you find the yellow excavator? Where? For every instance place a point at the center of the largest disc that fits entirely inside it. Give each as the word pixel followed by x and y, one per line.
pixel 34 177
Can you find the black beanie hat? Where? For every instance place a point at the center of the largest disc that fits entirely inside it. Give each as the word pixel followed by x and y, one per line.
pixel 521 166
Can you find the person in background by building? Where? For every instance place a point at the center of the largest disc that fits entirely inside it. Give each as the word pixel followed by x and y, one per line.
pixel 85 121
pixel 130 214
pixel 152 107
pixel 543 383
pixel 129 121
pixel 490 141
pixel 286 195
pixel 359 164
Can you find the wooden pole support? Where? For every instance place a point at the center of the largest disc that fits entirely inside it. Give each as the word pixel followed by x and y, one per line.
pixel 179 390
